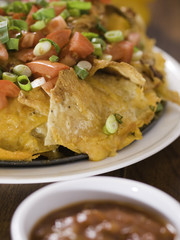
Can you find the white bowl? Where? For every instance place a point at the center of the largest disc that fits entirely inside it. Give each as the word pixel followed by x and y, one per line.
pixel 61 194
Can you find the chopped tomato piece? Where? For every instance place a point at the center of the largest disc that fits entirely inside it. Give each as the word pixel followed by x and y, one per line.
pixel 67 57
pixel 7 89
pixel 3 52
pixel 121 51
pixel 46 68
pixel 61 37
pixel 55 24
pixel 25 55
pixel 29 18
pixel 2 12
pixel 81 45
pixel 30 39
pixel 18 15
pixel 59 10
pixel 135 38
pixel 49 85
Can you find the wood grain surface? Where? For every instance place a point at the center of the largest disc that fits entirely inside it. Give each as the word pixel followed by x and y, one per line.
pixel 161 170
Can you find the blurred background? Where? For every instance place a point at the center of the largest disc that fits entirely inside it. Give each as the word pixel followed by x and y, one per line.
pixel 163 21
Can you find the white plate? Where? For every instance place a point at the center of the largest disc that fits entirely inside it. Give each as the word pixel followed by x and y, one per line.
pixel 164 132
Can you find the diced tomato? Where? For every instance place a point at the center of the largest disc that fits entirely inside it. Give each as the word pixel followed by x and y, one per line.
pixel 2 12
pixel 30 39
pixel 18 15
pixel 25 55
pixel 7 89
pixel 61 37
pixel 29 18
pixel 46 68
pixel 81 45
pixel 58 10
pixel 56 24
pixel 134 38
pixel 67 57
pixel 121 51
pixel 49 85
pixel 3 53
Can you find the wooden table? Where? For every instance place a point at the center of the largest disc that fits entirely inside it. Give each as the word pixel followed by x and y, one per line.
pixel 161 170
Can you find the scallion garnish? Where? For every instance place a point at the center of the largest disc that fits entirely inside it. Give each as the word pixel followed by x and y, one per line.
pixel 118 118
pixel 58 4
pixel 159 107
pixel 111 125
pixel 24 83
pixel 75 12
pixel 37 26
pixel 42 3
pixel 100 27
pixel 13 44
pixel 42 48
pixel 9 76
pixel 52 42
pixel 114 36
pixel 90 35
pixel 99 40
pixel 19 24
pixel 44 14
pixel 79 5
pixel 81 72
pixel 4 35
pixel 22 69
pixel 97 49
pixel 54 58
pixel 18 7
pixel 65 14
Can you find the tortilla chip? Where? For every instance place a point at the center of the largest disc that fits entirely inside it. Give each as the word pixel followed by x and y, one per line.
pixel 79 109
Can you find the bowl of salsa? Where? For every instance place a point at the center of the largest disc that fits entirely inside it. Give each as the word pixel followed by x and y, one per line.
pixel 101 208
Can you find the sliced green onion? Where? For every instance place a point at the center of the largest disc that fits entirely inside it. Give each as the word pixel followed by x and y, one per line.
pixel 13 44
pixel 9 76
pixel 42 48
pixel 90 35
pixel 57 48
pixel 44 13
pixel 75 12
pixel 37 26
pixel 20 24
pixel 99 40
pixel 22 69
pixel 65 14
pixel 38 82
pixel 97 49
pixel 106 57
pixel 3 4
pixel 54 58
pixel 79 5
pixel 42 3
pixel 100 27
pixel 111 125
pixel 159 107
pixel 137 55
pixel 85 64
pixel 114 36
pixel 24 83
pixel 17 7
pixel 81 72
pixel 58 4
pixel 136 49
pixel 4 35
pixel 118 118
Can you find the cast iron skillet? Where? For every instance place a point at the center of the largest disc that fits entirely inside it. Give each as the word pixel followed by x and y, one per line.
pixel 66 155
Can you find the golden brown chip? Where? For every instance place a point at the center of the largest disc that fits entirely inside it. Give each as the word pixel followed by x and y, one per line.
pixel 79 109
